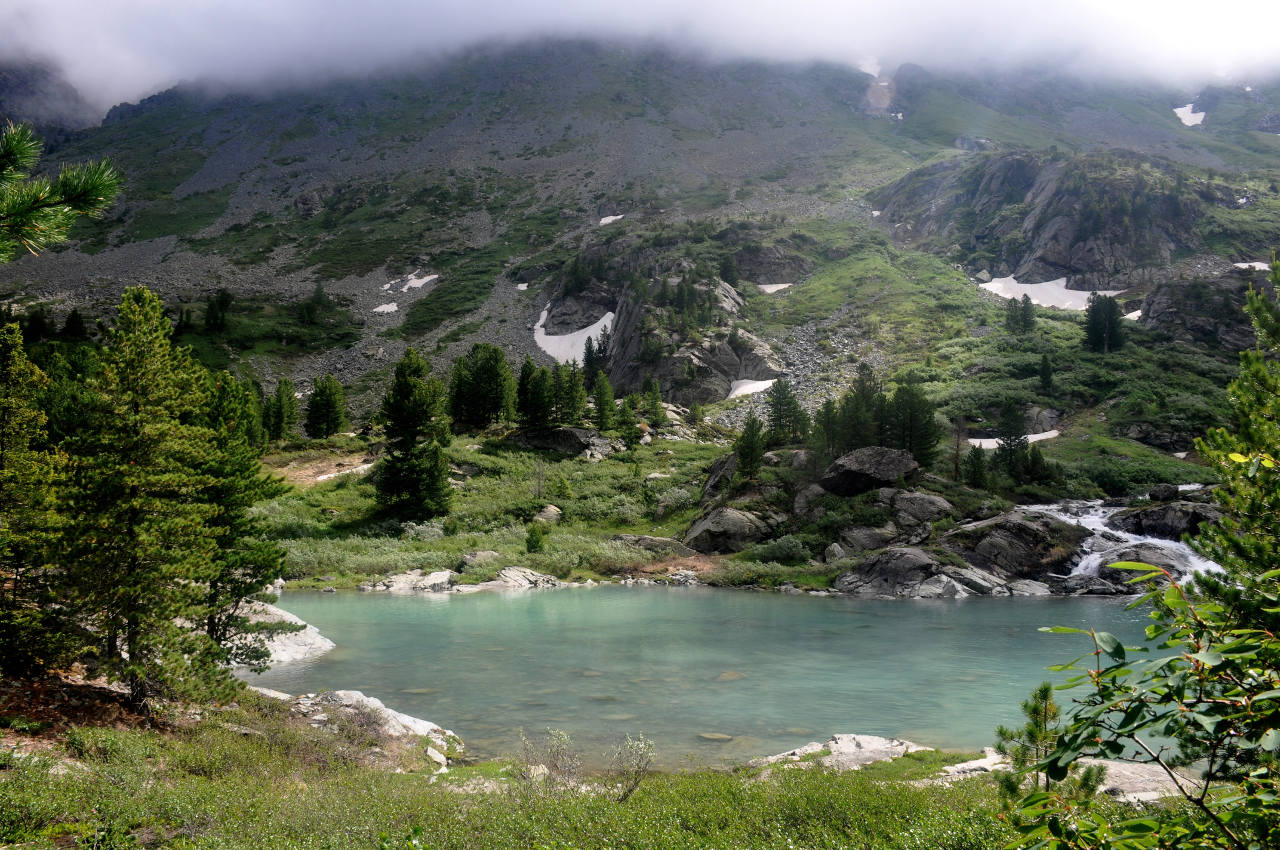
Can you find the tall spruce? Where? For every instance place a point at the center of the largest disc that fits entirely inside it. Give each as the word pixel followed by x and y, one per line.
pixel 326 408
pixel 787 420
pixel 244 561
pixel 412 480
pixel 138 550
pixel 280 414
pixel 30 630
pixel 482 389
pixel 910 423
pixel 749 447
pixel 1103 330
pixel 602 396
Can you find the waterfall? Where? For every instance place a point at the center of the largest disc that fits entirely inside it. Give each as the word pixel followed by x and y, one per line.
pixel 1106 545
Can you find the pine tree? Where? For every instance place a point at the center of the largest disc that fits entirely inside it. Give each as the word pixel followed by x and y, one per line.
pixel 1246 541
pixel 326 408
pixel 138 551
pixel 654 413
pixel 412 480
pixel 749 447
pixel 482 389
pixel 975 468
pixel 1046 375
pixel 1027 311
pixel 244 561
pixel 575 400
pixel 1011 451
pixel 910 423
pixel 31 636
pixel 1103 330
pixel 787 420
pixel 280 417
pixel 603 397
pixel 1031 743
pixel 1013 316
pixel 527 371
pixel 36 213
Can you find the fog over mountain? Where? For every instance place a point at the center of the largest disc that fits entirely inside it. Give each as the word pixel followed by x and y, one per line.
pixel 127 49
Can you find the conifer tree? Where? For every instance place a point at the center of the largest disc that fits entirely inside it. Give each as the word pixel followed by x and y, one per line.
pixel 910 423
pixel 482 389
pixel 1028 315
pixel 574 403
pixel 326 408
pixel 749 447
pixel 138 549
pixel 1103 331
pixel 243 560
pixel 1046 375
pixel 412 481
pixel 1011 451
pixel 975 468
pixel 654 413
pixel 527 371
pixel 603 397
pixel 37 212
pixel 29 634
pixel 281 415
pixel 540 407
pixel 787 420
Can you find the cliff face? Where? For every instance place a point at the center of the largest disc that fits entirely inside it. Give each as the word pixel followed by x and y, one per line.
pixel 1100 221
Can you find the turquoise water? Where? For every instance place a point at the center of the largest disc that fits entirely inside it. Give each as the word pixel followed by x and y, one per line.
pixel 771 671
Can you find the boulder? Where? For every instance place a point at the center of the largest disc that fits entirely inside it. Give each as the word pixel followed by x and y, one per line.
pixel 862 539
pixel 1163 493
pixel 473 559
pixel 568 441
pixel 413 582
pixel 523 578
pixel 726 530
pixel 834 552
pixel 1169 521
pixel 806 503
pixel 844 752
pixel 920 508
pixel 892 573
pixel 1018 544
pixel 1027 587
pixel 868 468
pixel 549 515
pixel 364 710
pixel 719 475
pixel 1176 562
pixel 802 459
pixel 664 546
pixel 288 646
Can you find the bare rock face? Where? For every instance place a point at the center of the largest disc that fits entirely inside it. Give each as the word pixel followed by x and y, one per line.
pixel 868 468
pixel 843 752
pixel 413 582
pixel 1168 521
pixel 1018 544
pixel 899 572
pixel 719 476
pixel 726 530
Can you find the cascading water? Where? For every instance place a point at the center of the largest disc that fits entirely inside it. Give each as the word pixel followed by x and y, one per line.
pixel 1107 545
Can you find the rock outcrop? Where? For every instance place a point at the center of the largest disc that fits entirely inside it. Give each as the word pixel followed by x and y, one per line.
pixel 413 582
pixel 866 469
pixel 575 442
pixel 842 752
pixel 286 647
pixel 1019 544
pixel 726 530
pixel 512 578
pixel 1168 521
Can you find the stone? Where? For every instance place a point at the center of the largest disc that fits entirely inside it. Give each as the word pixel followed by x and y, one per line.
pixel 771 459
pixel 802 459
pixel 714 736
pixel 567 441
pixel 684 578
pixel 940 587
pixel 472 559
pixel 286 647
pixel 391 723
pixel 719 475
pixel 523 578
pixel 892 573
pixel 806 502
pixel 725 530
pixel 834 552
pixel 860 539
pixel 1170 520
pixel 1027 587
pixel 983 276
pixel 1144 553
pixel 868 468
pixel 549 515
pixel 1018 544
pixel 413 582
pixel 1163 493
pixel 843 752
pixel 665 546
pixel 920 508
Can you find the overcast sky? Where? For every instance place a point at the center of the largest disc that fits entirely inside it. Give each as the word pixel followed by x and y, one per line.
pixel 116 50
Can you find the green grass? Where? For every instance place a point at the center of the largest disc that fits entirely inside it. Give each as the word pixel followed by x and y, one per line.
pixel 262 326
pixel 244 776
pixel 183 217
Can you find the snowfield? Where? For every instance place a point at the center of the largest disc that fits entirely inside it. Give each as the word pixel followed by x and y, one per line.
pixel 1053 293
pixel 569 347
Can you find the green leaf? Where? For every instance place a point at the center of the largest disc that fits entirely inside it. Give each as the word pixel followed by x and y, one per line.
pixel 1134 565
pixel 1208 658
pixel 1110 645
pixel 1063 630
pixel 1270 740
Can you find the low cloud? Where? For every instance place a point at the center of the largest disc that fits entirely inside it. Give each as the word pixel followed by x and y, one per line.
pixel 127 49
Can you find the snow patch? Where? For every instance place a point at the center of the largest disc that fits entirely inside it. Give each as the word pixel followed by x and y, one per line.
pixel 994 442
pixel 610 219
pixel 741 388
pixel 1135 315
pixel 417 281
pixel 522 286
pixel 1051 294
pixel 569 347
pixel 1260 266
pixel 875 213
pixel 1187 116
pixel 385 287
pixel 386 308
pixel 770 288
